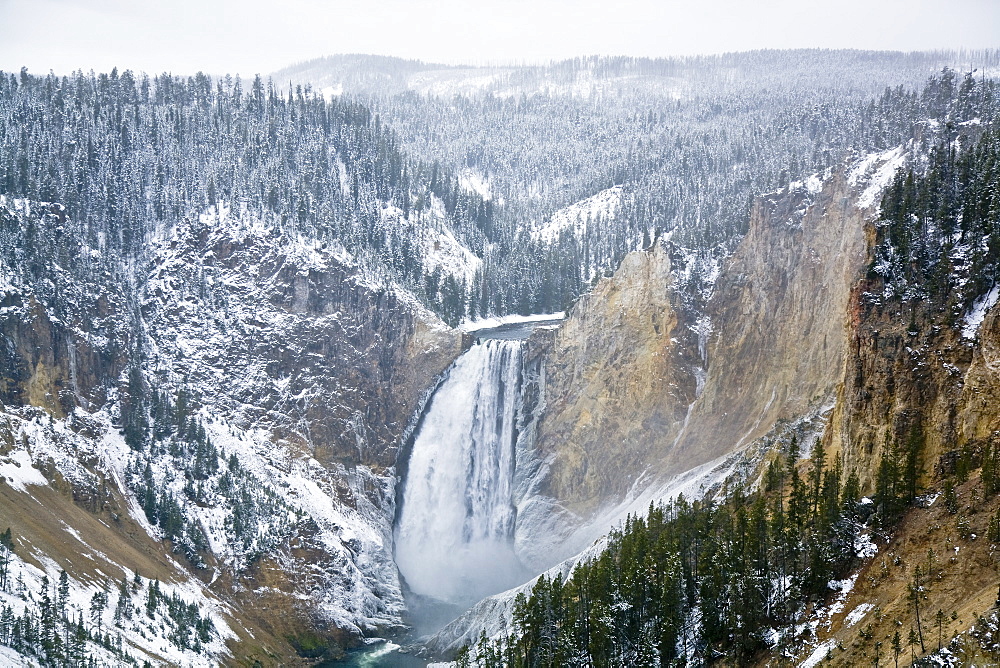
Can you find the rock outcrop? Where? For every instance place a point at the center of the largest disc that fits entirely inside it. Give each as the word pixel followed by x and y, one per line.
pixel 913 380
pixel 293 338
pixel 616 383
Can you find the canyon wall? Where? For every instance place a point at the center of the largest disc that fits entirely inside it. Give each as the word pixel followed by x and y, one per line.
pixel 639 389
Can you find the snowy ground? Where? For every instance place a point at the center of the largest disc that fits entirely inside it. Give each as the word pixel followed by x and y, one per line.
pixel 579 216
pixel 490 323
pixel 875 171
pixel 145 636
pixel 976 315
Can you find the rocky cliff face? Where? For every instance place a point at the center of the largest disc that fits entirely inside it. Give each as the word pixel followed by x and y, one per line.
pixel 292 338
pixel 638 389
pixel 64 340
pixel 779 318
pixel 617 382
pixel 978 413
pixel 913 378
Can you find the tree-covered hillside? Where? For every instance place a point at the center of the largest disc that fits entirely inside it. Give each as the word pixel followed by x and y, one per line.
pixel 129 157
pixel 697 581
pixel 939 232
pixel 678 146
pixel 482 179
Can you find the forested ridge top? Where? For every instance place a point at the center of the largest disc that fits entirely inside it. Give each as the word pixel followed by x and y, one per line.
pixel 385 74
pixel 129 157
pixel 687 143
pixel 393 177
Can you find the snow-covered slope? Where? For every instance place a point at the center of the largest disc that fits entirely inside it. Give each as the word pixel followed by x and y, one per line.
pixel 578 217
pixel 243 436
pixel 109 609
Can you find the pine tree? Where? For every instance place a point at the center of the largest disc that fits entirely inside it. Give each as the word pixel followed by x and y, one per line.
pixel 818 461
pixel 916 593
pixel 6 552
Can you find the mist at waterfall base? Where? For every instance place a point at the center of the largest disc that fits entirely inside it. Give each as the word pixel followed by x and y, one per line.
pixel 454 533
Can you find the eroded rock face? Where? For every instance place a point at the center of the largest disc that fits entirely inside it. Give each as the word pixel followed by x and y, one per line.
pixel 614 383
pixel 978 415
pixel 632 397
pixel 779 317
pixel 64 334
pixel 912 379
pixel 293 339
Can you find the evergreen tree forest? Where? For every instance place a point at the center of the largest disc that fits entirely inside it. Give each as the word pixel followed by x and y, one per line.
pixel 939 238
pixel 123 157
pixel 48 624
pixel 689 143
pixel 725 581
pixel 126 156
pixel 694 581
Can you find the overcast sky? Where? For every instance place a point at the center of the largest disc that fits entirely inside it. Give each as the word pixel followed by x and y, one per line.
pixel 251 36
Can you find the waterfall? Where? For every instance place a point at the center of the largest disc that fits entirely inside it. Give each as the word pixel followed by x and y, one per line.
pixel 454 532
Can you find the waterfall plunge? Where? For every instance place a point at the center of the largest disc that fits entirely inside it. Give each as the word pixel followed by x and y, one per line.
pixel 454 532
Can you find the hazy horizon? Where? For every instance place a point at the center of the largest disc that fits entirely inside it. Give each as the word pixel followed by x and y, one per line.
pixel 223 36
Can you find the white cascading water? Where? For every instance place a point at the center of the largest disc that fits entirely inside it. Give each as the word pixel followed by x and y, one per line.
pixel 454 531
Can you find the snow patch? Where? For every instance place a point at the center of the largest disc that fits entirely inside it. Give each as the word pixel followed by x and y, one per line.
pixel 330 92
pixel 19 472
pixel 818 654
pixel 877 171
pixel 580 216
pixel 474 181
pixel 865 547
pixel 858 613
pixel 813 184
pixel 927 500
pixel 975 317
pixel 845 587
